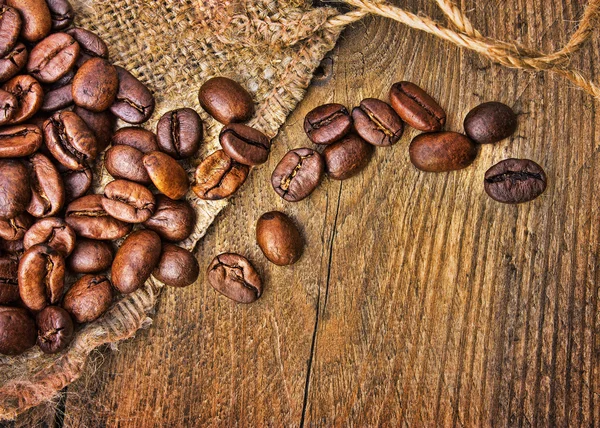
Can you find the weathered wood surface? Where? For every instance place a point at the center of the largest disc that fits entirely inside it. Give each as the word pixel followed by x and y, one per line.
pixel 419 301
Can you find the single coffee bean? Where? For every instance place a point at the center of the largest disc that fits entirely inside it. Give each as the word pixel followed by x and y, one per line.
pixel 89 298
pixel 298 174
pixel 41 277
pixel 55 329
pixel 53 57
pixel 13 62
pixel 135 260
pixel 327 123
pixel 90 256
pixel 134 102
pixel 219 176
pixel 244 144
pixel 95 85
pixel 101 124
pixel 172 220
pixel 490 122
pixel 47 188
pixel 513 181
pixel 15 228
pixel 278 238
pixel 58 99
pixel 52 231
pixel 416 107
pixel 61 13
pixel 442 151
pixel 19 140
pixel 138 138
pixel 88 219
pixel 377 123
pixel 91 45
pixel 126 162
pixel 16 193
pixel 29 94
pixel 17 331
pixel 177 267
pixel 128 201
pixel 167 175
pixel 70 140
pixel 10 27
pixel 179 133
pixel 226 100
pixel 347 157
pixel 233 276
pixel 9 282
pixel 9 105
pixel 37 22
pixel 77 183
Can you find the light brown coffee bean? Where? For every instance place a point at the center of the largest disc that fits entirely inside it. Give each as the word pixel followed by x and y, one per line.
pixel 89 298
pixel 167 175
pixel 135 260
pixel 41 277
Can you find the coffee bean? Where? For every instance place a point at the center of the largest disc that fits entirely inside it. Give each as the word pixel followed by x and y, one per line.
pixel 442 151
pixel 90 256
pixel 91 45
pixel 135 260
pixel 244 144
pixel 138 138
pixel 10 27
pixel 172 220
pixel 13 62
pixel 61 13
pixel 128 201
pixel 29 94
pixel 179 133
pixel 89 298
pixel 37 22
pixel 88 219
pixel 298 174
pixel 58 99
pixel 55 329
pixel 52 231
pixel 233 276
pixel 167 175
pixel 53 57
pixel 513 181
pixel 177 267
pixel 101 124
pixel 70 140
pixel 490 122
pixel 47 188
pixel 347 157
pixel 226 100
pixel 8 107
pixel 327 123
pixel 416 107
pixel 17 331
pixel 16 193
pixel 134 102
pixel 219 176
pixel 126 162
pixel 377 123
pixel 9 283
pixel 41 277
pixel 15 228
pixel 19 140
pixel 77 183
pixel 95 85
pixel 279 239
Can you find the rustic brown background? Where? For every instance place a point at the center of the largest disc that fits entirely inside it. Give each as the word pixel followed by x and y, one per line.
pixel 418 301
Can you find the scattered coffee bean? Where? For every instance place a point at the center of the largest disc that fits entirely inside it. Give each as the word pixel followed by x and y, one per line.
pixel 95 85
pixel 128 201
pixel 10 27
pixel 172 220
pixel 416 107
pixel 19 140
pixel 29 94
pixel 327 123
pixel 13 62
pixel 55 329
pixel 226 100
pixel 377 123
pixel 279 239
pixel 490 122
pixel 347 157
pixel 513 181
pixel 16 193
pixel 77 183
pixel 219 176
pixel 15 228
pixel 138 138
pixel 177 267
pixel 53 57
pixel 126 162
pixel 442 151
pixel 89 298
pixel 37 22
pixel 17 331
pixel 101 124
pixel 88 219
pixel 9 286
pixel 167 175
pixel 135 260
pixel 91 45
pixel 298 174
pixel 244 144
pixel 179 133
pixel 52 231
pixel 61 13
pixel 41 277
pixel 90 256
pixel 233 276
pixel 47 188
pixel 134 102
pixel 70 140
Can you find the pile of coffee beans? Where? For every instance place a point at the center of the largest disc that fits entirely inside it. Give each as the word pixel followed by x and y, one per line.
pixel 61 99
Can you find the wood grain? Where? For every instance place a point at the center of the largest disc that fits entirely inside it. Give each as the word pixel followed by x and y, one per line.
pixel 419 301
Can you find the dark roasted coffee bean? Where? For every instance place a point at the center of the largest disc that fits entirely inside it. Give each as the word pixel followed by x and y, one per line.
pixel 172 220
pixel 416 107
pixel 13 62
pixel 70 140
pixel 126 162
pixel 88 219
pixel 233 276
pixel 52 231
pixel 219 176
pixel 278 238
pixel 29 94
pixel 17 331
pixel 19 140
pixel 41 277
pixel 298 174
pixel 139 138
pixel 91 45
pixel 37 22
pixel 134 102
pixel 244 144
pixel 167 175
pixel 89 298
pixel 15 228
pixel 95 85
pixel 347 157
pixel 8 107
pixel 77 183
pixel 513 181
pixel 53 57
pixel 442 151
pixel 101 124
pixel 55 329
pixel 90 256
pixel 226 100
pixel 47 188
pixel 57 99
pixel 490 122
pixel 128 201
pixel 10 27
pixel 177 267
pixel 16 192
pixel 61 12
pixel 179 133
pixel 135 260
pixel 327 123
pixel 377 123
pixel 9 283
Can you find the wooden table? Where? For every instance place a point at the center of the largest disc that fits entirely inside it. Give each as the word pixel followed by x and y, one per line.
pixel 419 301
